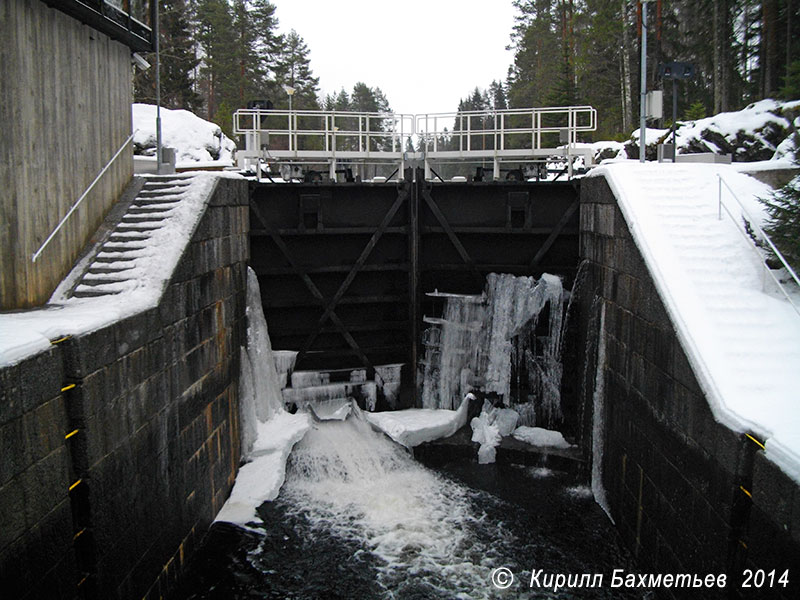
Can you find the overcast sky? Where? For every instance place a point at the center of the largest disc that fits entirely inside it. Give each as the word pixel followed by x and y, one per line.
pixel 424 54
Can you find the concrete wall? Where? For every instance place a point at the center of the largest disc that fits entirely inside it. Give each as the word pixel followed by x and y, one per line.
pixel 675 478
pixel 65 108
pixel 155 406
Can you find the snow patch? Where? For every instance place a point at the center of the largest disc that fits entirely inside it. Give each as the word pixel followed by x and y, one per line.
pixel 195 140
pixel 536 436
pixel 415 426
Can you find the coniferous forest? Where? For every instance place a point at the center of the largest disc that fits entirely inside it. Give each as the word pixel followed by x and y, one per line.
pixel 219 54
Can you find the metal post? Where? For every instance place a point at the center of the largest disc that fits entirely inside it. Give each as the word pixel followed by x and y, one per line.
pixel 674 118
pixel 642 107
pixel 158 90
pixel 413 191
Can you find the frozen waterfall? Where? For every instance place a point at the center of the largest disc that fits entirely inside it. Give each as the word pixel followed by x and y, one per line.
pixel 495 342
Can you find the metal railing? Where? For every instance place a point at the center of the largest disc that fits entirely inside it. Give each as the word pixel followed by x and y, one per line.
pixel 80 199
pixel 291 133
pixel 511 129
pixel 764 239
pixel 530 134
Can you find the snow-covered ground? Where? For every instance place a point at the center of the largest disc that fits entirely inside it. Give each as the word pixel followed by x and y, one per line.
pixel 743 342
pixel 197 142
pixel 25 333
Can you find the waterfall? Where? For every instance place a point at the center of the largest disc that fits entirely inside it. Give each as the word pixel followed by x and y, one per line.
pixel 349 481
pixel 481 341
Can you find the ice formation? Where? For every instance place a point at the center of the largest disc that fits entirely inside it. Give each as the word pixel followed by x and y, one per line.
pixel 598 419
pixel 415 426
pixel 266 391
pixel 268 432
pixel 536 436
pixel 493 341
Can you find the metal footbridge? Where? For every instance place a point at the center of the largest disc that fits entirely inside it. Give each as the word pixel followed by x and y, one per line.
pixel 517 142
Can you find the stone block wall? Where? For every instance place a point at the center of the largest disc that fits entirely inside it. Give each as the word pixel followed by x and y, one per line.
pixel 687 494
pixel 36 527
pixel 153 402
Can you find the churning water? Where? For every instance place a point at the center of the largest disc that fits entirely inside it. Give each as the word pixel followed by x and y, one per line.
pixel 358 517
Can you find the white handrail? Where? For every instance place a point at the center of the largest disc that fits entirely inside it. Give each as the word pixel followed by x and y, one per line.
pixel 79 200
pixel 763 235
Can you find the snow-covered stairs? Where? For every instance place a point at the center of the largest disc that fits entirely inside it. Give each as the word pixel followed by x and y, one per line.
pixel 113 268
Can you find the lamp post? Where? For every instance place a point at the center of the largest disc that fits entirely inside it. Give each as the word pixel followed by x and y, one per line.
pixel 290 92
pixel 156 27
pixel 643 101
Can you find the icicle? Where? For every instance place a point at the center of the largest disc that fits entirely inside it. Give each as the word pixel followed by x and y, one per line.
pixel 598 419
pixel 247 403
pixel 267 386
pixel 488 341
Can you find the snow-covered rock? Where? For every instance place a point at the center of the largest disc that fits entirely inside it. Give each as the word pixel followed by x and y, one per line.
pixel 757 132
pixel 194 139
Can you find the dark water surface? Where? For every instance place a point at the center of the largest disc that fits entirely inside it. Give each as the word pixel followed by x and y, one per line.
pixel 521 518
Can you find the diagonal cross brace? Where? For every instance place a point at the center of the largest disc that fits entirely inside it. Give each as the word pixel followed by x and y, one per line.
pixel 401 198
pixel 451 235
pixel 311 286
pixel 548 243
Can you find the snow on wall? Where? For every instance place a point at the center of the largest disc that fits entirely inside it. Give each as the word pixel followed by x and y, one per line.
pixel 743 342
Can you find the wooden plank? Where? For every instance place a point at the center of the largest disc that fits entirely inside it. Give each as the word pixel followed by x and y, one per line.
pixel 353 328
pixel 347 300
pixel 328 231
pixel 333 269
pixel 414 297
pixel 499 230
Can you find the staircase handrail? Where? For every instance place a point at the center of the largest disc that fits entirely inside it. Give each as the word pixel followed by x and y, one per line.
pixel 79 200
pixel 752 222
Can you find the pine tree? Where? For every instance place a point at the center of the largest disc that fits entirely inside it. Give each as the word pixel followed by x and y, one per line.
pixel 178 61
pixel 783 225
pixel 216 37
pixel 293 68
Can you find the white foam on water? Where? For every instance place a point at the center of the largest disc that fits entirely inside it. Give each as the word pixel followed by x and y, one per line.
pixel 350 481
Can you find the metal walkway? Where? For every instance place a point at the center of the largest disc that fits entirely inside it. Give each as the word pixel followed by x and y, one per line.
pixel 340 142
